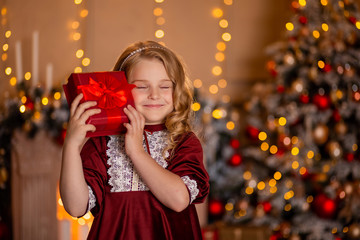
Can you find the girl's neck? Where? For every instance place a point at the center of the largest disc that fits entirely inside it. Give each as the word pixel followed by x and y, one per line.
pixel 154 128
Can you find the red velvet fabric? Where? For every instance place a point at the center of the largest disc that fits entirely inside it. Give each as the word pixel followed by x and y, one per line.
pixel 138 214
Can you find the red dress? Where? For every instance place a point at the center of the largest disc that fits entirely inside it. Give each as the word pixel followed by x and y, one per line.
pixel 121 203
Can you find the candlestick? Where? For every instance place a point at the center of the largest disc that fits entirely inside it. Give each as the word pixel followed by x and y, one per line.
pixel 18 61
pixel 35 59
pixel 49 76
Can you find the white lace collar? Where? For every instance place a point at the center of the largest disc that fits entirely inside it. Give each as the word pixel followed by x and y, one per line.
pixel 123 177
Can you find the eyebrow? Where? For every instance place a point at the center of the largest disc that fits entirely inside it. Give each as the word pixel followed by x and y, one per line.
pixel 143 80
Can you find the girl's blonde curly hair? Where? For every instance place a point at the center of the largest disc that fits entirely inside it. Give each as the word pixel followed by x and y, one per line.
pixel 179 120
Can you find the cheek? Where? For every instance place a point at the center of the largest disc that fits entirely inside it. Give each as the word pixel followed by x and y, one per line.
pixel 137 97
pixel 169 98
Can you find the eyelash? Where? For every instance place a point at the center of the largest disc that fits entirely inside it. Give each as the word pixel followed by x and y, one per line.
pixel 141 87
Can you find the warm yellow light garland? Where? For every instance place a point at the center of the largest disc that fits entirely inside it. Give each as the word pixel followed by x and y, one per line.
pixel 159 19
pixel 220 56
pixel 8 70
pixel 76 35
pixel 84 61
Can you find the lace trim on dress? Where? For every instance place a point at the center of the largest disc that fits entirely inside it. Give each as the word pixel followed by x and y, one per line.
pixel 121 170
pixel 192 186
pixel 92 199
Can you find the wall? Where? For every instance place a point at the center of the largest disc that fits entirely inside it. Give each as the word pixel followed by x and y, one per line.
pixel 111 25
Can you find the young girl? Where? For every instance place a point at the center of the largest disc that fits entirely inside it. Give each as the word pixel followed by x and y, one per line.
pixel 143 184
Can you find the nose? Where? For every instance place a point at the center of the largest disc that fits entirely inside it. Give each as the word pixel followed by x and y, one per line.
pixel 154 93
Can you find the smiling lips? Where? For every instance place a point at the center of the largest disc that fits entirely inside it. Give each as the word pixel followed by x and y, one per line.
pixel 153 105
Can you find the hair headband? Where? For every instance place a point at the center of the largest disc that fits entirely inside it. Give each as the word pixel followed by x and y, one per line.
pixel 137 51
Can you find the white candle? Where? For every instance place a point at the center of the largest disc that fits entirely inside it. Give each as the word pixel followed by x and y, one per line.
pixel 65 230
pixel 35 58
pixel 49 76
pixel 18 61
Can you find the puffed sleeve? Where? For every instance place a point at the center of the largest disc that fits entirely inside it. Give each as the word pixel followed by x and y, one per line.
pixel 187 162
pixel 94 159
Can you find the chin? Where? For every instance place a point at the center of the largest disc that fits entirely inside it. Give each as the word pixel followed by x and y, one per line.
pixel 153 121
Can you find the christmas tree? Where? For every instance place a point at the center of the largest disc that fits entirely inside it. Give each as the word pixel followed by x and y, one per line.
pixel 300 170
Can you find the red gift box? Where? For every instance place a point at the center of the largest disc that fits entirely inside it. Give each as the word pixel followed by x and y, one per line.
pixel 112 93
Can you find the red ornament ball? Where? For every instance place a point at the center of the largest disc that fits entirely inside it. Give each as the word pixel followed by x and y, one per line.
pixel 280 88
pixel 266 206
pixel 280 152
pixel 302 19
pixel 336 115
pixel 321 101
pixel 234 143
pixel 352 20
pixel 216 207
pixel 327 68
pixel 349 157
pixel 324 206
pixel 275 236
pixel 273 72
pixel 235 160
pixel 29 104
pixel 252 132
pixel 304 98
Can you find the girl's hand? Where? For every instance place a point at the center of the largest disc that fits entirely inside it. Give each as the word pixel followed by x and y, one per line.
pixel 77 128
pixel 134 133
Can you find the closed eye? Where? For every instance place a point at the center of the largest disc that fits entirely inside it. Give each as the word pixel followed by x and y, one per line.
pixel 141 87
pixel 166 86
